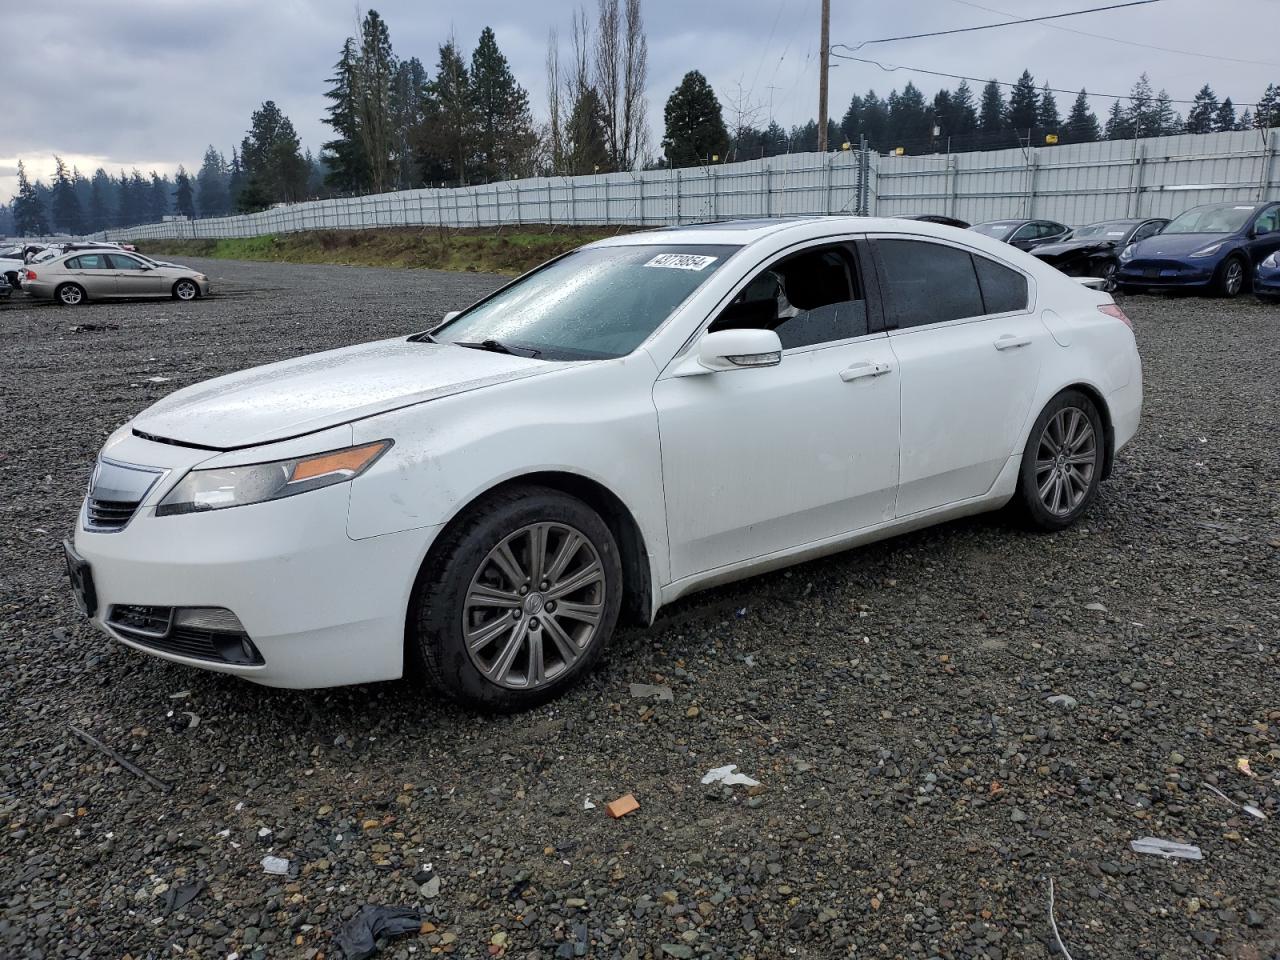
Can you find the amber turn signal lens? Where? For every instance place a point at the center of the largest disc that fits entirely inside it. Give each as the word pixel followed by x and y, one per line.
pixel 350 462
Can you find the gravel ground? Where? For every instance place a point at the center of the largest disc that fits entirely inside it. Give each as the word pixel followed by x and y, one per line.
pixel 919 788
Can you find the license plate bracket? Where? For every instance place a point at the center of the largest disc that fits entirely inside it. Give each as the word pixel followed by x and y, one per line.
pixel 81 577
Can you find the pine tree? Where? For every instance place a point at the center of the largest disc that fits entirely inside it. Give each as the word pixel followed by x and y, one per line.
pixel 28 211
pixel 1203 112
pixel 67 215
pixel 775 140
pixel 1163 119
pixel 100 201
pixel 1267 114
pixel 1082 122
pixel 211 185
pixel 343 155
pixel 1224 120
pixel 964 115
pixel 372 93
pixel 272 159
pixel 183 197
pixel 695 128
pixel 992 115
pixel 1245 122
pixel 875 120
pixel 444 143
pixel 585 137
pixel 408 111
pixel 943 108
pixel 1024 104
pixel 851 125
pixel 235 181
pixel 505 139
pixel 158 198
pixel 1119 123
pixel 1141 112
pixel 909 122
pixel 1048 119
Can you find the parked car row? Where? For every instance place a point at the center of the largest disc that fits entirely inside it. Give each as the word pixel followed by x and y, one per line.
pixel 72 273
pixel 1221 248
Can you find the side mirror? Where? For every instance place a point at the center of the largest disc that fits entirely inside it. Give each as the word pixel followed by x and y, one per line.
pixel 450 315
pixel 732 350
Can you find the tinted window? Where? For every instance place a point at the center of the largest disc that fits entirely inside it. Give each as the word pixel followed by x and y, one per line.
pixel 1003 290
pixel 928 283
pixel 87 261
pixel 1028 232
pixel 119 262
pixel 1269 221
pixel 810 298
pixel 1048 228
pixel 1146 230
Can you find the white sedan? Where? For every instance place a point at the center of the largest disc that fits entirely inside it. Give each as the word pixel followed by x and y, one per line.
pixel 643 417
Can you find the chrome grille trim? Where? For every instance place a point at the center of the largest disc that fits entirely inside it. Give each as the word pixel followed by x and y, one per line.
pixel 116 490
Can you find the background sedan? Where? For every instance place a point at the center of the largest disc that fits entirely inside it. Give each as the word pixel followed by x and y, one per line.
pixel 1212 247
pixel 1024 234
pixel 1094 251
pixel 105 274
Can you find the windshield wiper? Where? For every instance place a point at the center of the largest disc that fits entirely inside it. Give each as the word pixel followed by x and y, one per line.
pixel 497 346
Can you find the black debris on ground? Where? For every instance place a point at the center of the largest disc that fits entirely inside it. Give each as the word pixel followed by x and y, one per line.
pixel 939 724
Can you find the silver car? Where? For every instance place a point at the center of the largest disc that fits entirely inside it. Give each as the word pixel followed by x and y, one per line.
pixel 104 274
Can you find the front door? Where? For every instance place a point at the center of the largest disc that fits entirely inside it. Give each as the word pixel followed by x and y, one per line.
pixel 763 459
pixel 135 278
pixel 969 351
pixel 1266 235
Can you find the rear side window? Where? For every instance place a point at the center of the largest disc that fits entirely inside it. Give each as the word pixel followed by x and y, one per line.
pixel 87 261
pixel 1003 290
pixel 928 283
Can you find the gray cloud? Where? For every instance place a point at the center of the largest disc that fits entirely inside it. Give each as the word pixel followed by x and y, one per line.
pixel 152 82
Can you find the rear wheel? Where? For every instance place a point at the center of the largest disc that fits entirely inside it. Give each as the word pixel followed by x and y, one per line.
pixel 185 290
pixel 1062 462
pixel 70 294
pixel 517 600
pixel 1231 277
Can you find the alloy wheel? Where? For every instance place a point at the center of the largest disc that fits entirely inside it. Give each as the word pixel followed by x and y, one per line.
pixel 1109 278
pixel 534 606
pixel 1234 279
pixel 70 295
pixel 1065 461
pixel 186 290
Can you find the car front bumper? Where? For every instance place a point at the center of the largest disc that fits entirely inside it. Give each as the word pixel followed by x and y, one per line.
pixel 1267 282
pixel 1166 274
pixel 320 608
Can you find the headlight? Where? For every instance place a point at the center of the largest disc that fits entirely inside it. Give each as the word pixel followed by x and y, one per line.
pixel 223 487
pixel 1208 251
pixel 1127 253
pixel 1272 261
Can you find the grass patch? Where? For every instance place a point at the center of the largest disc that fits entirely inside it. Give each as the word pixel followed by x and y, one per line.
pixel 512 250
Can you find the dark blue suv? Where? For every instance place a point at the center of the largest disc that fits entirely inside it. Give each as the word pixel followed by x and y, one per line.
pixel 1215 247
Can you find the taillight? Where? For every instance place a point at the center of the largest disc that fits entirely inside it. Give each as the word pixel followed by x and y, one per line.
pixel 1111 310
pixel 29 274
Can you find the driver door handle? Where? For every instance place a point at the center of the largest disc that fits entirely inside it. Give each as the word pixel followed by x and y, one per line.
pixel 1009 341
pixel 864 368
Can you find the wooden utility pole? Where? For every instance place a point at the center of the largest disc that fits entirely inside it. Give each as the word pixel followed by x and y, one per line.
pixel 824 67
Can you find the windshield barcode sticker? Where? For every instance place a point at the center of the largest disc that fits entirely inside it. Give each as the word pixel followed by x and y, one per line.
pixel 681 261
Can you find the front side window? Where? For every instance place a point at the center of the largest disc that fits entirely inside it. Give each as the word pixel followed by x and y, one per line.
pixel 592 304
pixel 121 262
pixel 809 298
pixel 928 282
pixel 1028 232
pixel 1146 230
pixel 1269 221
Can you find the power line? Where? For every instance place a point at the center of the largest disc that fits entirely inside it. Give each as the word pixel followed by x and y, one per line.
pixel 891 68
pixel 1128 43
pixel 994 26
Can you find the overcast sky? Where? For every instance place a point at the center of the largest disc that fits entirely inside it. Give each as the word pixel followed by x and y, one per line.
pixel 150 83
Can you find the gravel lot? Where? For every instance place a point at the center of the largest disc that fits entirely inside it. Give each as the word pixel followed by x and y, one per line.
pixel 919 789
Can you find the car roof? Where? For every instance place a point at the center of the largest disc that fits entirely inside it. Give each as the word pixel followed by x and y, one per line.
pixel 748 231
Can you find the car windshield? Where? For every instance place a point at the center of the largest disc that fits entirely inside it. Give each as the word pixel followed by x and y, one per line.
pixel 1108 229
pixel 1219 218
pixel 999 229
pixel 592 304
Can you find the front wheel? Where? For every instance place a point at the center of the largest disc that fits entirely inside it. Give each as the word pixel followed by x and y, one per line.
pixel 517 600
pixel 1109 283
pixel 1062 462
pixel 185 290
pixel 1231 278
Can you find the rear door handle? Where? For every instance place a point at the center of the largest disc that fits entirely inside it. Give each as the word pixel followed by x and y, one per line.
pixel 864 368
pixel 1009 341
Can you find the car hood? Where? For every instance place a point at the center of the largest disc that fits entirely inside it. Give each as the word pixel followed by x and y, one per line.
pixel 295 397
pixel 1178 244
pixel 1072 246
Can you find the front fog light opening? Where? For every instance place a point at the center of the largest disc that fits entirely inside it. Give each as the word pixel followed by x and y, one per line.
pixel 213 619
pixel 221 630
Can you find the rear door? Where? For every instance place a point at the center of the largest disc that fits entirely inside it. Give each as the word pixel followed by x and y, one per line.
pixel 94 273
pixel 969 352
pixel 135 278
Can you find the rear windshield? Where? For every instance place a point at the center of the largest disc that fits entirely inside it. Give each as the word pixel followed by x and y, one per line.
pixel 1110 229
pixel 593 304
pixel 999 229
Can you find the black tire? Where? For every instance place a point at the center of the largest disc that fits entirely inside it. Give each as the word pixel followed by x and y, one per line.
pixel 434 629
pixel 186 284
pixel 70 295
pixel 12 277
pixel 1233 277
pixel 1028 499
